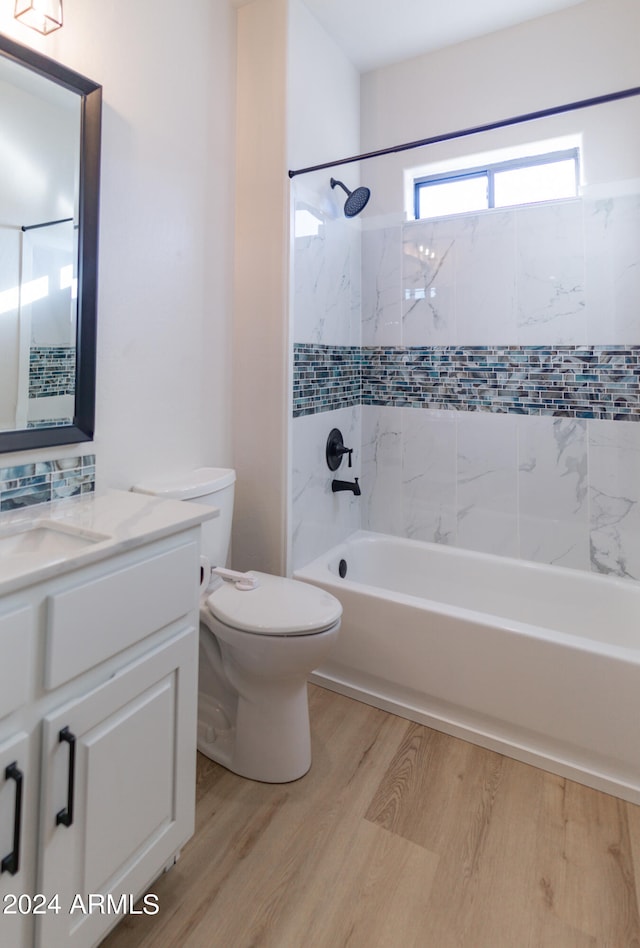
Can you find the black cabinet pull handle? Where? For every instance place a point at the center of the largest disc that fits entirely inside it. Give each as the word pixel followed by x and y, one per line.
pixel 11 862
pixel 65 816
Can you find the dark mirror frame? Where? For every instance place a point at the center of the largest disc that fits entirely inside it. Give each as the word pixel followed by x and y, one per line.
pixel 90 94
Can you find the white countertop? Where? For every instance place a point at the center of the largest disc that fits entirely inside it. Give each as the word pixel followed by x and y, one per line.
pixel 90 528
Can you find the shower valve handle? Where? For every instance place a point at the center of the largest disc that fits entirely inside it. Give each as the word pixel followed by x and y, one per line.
pixel 335 450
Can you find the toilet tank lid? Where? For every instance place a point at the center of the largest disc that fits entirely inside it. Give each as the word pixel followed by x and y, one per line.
pixel 198 483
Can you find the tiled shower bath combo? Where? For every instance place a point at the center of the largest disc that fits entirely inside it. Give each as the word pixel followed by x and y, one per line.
pixel 485 370
pixel 494 392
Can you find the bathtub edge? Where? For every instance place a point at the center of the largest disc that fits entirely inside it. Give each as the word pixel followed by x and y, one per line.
pixel 517 749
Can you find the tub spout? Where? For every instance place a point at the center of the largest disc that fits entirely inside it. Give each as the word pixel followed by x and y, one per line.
pixel 346 485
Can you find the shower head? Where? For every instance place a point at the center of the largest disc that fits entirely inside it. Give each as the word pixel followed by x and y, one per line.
pixel 356 200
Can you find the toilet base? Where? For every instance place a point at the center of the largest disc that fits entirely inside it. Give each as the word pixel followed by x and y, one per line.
pixel 271 739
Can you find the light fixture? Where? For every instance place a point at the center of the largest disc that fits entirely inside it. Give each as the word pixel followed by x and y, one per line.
pixel 45 16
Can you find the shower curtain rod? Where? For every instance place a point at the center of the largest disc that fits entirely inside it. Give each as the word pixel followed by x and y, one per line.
pixel 449 136
pixel 64 220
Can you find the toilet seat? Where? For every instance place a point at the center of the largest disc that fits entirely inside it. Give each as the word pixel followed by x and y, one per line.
pixel 277 606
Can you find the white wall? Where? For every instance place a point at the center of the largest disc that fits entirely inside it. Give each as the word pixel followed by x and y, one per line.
pixel 298 102
pixel 166 227
pixel 581 52
pixel 33 191
pixel 260 380
pixel 323 93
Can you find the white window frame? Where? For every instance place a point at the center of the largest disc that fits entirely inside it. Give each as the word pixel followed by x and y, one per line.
pixel 489 170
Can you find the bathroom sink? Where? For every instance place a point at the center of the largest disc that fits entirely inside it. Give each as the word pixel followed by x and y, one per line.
pixel 47 538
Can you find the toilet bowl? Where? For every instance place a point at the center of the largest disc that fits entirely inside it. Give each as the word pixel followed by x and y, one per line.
pixel 257 648
pixel 259 640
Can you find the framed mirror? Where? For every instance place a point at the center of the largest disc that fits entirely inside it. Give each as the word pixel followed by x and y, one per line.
pixel 50 125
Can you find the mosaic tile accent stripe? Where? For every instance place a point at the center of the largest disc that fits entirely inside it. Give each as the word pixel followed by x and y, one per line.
pixel 566 381
pixel 325 377
pixel 52 371
pixel 37 483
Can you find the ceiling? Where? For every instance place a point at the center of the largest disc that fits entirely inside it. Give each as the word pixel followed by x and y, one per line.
pixel 374 33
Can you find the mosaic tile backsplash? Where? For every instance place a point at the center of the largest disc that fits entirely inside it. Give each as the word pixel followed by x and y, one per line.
pixel 41 481
pixel 564 381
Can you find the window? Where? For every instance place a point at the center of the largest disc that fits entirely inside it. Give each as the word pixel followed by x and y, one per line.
pixel 504 184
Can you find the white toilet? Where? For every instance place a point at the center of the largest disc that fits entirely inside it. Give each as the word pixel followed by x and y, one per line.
pixel 257 646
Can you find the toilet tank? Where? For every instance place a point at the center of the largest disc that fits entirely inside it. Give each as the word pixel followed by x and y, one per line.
pixel 212 486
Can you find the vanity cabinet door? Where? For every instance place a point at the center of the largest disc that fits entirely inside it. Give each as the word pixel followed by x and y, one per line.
pixel 17 811
pixel 118 770
pixel 16 641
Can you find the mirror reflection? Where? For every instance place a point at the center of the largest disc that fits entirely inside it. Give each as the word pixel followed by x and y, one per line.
pixel 39 162
pixel 49 172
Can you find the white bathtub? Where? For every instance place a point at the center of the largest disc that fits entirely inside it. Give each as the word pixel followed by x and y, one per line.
pixel 540 663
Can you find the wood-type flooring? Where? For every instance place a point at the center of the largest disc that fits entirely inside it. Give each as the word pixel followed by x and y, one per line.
pixel 398 837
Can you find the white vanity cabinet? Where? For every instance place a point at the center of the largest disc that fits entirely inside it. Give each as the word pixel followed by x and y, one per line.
pixel 17 802
pixel 118 801
pixel 98 698
pixel 18 755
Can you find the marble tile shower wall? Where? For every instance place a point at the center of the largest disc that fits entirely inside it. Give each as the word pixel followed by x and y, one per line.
pixel 526 323
pixel 558 274
pixel 552 490
pixel 319 518
pixel 327 380
pixel 326 284
pixel 528 293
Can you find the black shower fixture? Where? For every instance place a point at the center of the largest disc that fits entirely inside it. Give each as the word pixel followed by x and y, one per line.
pixel 356 200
